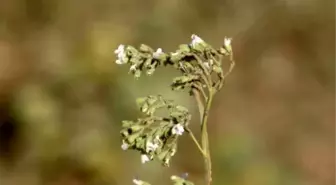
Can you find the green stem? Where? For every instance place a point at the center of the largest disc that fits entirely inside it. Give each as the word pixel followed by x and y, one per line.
pixel 205 138
pixel 195 141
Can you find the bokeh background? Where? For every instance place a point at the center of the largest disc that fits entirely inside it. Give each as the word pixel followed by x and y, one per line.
pixel 62 97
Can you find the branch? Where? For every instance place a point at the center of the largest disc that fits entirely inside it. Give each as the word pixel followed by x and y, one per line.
pixel 195 141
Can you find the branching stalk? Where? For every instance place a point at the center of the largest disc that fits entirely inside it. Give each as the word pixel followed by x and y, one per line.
pixel 196 142
pixel 205 139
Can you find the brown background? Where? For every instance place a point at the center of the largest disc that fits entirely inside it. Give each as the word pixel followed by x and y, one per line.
pixel 62 97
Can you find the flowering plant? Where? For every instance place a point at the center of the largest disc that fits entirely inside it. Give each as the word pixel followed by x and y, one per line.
pixel 156 137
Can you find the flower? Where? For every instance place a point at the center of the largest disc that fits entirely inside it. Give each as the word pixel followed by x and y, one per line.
pixel 207 65
pixel 121 54
pixel 124 145
pixel 144 158
pixel 138 182
pixel 196 40
pixel 227 42
pixel 133 67
pixel 157 53
pixel 151 146
pixel 178 129
pixel 227 45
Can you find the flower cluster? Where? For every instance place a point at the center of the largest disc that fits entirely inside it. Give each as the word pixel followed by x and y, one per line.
pixel 147 60
pixel 201 72
pixel 155 136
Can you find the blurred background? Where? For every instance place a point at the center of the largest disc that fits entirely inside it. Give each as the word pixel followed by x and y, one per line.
pixel 62 97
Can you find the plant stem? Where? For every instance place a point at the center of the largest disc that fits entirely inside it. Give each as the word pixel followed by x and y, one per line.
pixel 205 138
pixel 199 102
pixel 195 141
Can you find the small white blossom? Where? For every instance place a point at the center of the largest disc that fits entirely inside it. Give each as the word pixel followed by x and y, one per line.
pixel 173 152
pixel 151 146
pixel 178 129
pixel 207 65
pixel 124 145
pixel 133 67
pixel 195 40
pixel 166 161
pixel 121 54
pixel 138 182
pixel 211 62
pixel 144 158
pixel 227 42
pixel 157 53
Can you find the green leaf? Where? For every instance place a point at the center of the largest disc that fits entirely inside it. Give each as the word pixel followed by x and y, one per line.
pixel 126 123
pixel 177 56
pixel 145 48
pixel 131 50
pixel 184 48
pixel 180 181
pixel 130 139
pixel 217 69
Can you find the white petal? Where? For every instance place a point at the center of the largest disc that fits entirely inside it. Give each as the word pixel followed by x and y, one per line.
pixel 227 42
pixel 196 40
pixel 178 129
pixel 157 52
pixel 151 146
pixel 124 146
pixel 137 182
pixel 207 65
pixel 133 67
pixel 120 49
pixel 119 62
pixel 144 158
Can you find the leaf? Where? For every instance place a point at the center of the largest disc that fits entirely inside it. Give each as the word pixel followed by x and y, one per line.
pixel 140 101
pixel 180 181
pixel 132 50
pixel 217 69
pixel 184 48
pixel 146 49
pixel 126 123
pixel 176 57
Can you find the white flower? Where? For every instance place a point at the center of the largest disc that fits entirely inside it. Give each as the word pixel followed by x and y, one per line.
pixel 227 42
pixel 144 158
pixel 133 67
pixel 151 146
pixel 166 161
pixel 207 65
pixel 138 182
pixel 195 40
pixel 178 129
pixel 211 62
pixel 120 50
pixel 157 53
pixel 124 145
pixel 121 54
pixel 173 152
